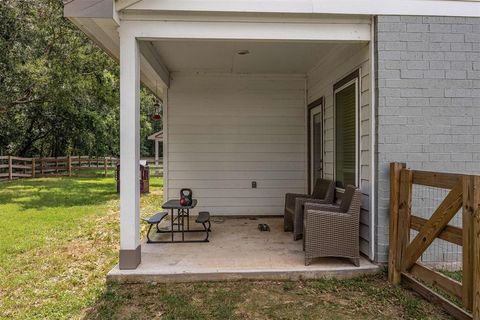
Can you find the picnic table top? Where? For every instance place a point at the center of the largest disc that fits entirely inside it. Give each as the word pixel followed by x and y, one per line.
pixel 175 204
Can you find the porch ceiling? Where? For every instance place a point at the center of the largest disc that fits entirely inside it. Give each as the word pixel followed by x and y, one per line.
pixel 263 57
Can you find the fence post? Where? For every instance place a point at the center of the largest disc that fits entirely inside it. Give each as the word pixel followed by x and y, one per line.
pixel 476 248
pixel 41 166
pixel 33 167
pixel 395 170
pixel 69 159
pixel 471 245
pixel 105 165
pixel 404 214
pixel 10 169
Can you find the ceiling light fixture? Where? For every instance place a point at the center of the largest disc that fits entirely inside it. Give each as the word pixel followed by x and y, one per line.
pixel 243 52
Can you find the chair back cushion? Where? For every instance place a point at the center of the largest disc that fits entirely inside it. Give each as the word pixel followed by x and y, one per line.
pixel 347 198
pixel 324 189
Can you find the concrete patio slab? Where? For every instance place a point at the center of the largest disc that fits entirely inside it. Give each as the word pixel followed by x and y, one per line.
pixel 237 250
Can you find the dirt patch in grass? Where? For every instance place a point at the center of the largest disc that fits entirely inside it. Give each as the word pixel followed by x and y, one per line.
pixel 368 297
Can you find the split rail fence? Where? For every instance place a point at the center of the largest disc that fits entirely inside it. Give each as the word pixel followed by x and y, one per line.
pixel 404 253
pixel 17 167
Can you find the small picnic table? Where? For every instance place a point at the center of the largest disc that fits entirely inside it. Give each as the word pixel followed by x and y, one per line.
pixel 182 213
pixel 179 221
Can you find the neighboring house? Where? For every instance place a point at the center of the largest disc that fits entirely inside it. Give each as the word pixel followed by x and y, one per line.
pixel 281 92
pixel 157 137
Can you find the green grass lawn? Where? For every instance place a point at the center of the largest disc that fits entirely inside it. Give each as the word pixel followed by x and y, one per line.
pixel 59 238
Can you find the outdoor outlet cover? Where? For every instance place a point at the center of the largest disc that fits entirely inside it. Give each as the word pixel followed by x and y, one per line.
pixel 254 184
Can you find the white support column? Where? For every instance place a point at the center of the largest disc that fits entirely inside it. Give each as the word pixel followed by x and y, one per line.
pixel 130 251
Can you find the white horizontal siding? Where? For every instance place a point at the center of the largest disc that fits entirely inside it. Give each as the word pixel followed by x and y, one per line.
pixel 220 128
pixel 225 131
pixel 337 66
pixel 238 184
pixel 237 138
pixel 236 175
pixel 236 156
pixel 237 147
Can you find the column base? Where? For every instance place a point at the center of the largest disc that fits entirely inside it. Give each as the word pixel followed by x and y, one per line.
pixel 130 259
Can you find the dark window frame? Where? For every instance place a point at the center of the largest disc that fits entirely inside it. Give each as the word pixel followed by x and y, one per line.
pixel 353 76
pixel 311 106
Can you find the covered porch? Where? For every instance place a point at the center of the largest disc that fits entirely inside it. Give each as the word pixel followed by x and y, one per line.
pixel 237 250
pixel 248 116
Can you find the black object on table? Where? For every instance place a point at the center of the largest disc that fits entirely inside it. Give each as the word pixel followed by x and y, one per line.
pixel 179 220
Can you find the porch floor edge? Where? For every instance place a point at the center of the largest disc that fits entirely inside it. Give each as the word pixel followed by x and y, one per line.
pixel 122 276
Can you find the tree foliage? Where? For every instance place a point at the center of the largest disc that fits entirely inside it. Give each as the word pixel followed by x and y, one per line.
pixel 59 93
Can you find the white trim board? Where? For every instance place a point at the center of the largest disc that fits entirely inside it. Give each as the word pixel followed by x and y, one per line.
pixel 366 7
pixel 151 30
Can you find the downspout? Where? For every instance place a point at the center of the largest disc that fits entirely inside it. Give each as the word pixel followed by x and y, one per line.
pixel 373 190
pixel 165 146
pixel 307 178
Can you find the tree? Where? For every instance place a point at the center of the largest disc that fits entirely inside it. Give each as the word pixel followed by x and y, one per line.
pixel 59 93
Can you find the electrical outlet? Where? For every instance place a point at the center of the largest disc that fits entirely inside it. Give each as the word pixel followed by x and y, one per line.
pixel 254 184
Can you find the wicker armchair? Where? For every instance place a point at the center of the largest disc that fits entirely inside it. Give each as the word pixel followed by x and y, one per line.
pixel 333 231
pixel 293 219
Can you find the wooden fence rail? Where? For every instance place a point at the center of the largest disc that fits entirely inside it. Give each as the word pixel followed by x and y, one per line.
pixel 403 266
pixel 17 167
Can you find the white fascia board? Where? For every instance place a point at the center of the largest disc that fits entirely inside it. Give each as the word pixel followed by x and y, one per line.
pixel 247 17
pixel 276 6
pixel 366 7
pixel 151 30
pixel 401 7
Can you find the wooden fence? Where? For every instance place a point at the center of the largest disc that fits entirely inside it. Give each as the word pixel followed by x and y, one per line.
pixel 403 266
pixel 18 167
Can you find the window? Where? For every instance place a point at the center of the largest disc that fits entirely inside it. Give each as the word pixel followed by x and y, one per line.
pixel 315 142
pixel 346 96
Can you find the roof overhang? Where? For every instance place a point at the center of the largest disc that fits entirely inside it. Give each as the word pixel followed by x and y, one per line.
pixel 156 136
pixel 462 8
pixel 90 9
pixel 100 20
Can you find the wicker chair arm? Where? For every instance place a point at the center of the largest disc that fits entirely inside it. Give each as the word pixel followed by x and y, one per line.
pixel 303 200
pixel 321 206
pixel 334 215
pixel 290 198
pixel 315 201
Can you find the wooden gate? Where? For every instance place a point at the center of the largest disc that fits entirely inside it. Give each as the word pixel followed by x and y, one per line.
pixel 403 266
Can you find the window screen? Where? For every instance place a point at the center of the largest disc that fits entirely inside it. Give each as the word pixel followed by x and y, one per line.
pixel 345 132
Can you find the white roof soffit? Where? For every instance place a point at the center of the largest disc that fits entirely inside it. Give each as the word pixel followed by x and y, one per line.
pixel 100 9
pixel 469 8
pixel 124 4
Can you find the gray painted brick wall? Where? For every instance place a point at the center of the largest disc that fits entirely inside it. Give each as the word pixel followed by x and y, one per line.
pixel 428 100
